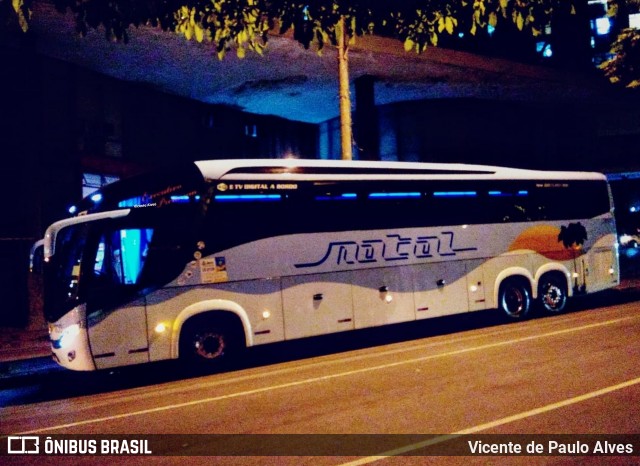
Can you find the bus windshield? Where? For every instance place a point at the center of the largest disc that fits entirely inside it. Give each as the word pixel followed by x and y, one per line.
pixel 62 271
pixel 93 266
pixel 97 265
pixel 107 262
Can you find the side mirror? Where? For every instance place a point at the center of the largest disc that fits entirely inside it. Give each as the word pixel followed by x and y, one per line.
pixel 36 257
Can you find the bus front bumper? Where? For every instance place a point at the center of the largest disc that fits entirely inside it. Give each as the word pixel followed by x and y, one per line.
pixel 70 344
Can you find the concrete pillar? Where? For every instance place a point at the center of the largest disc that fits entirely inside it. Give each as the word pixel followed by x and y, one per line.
pixel 367 132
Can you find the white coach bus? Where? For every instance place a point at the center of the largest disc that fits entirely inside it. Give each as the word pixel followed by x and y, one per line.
pixel 200 262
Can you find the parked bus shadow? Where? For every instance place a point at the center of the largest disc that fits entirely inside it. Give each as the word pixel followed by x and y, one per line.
pixel 61 384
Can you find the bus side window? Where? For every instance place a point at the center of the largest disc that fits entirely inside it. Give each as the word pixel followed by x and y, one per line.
pixel 121 255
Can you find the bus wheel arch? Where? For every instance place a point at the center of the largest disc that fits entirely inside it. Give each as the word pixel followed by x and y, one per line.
pixel 553 291
pixel 212 338
pixel 209 312
pixel 514 297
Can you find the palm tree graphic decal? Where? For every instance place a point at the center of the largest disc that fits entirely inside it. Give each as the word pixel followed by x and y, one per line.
pixel 573 238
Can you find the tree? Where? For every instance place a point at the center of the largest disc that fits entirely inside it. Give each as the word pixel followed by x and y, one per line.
pixel 246 24
pixel 623 68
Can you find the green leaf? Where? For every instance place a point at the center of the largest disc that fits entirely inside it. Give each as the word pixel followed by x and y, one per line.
pixel 634 84
pixel 18 6
pixel 199 33
pixel 493 19
pixel 450 24
pixel 408 45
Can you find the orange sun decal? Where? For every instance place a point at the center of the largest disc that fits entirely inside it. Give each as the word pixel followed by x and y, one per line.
pixel 543 239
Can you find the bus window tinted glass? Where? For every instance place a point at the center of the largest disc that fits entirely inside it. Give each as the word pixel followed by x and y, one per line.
pixel 121 255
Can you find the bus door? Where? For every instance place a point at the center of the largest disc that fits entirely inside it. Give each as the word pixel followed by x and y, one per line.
pixel 597 269
pixel 116 312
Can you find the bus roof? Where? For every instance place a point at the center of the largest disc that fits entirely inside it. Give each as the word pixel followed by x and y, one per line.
pixel 309 170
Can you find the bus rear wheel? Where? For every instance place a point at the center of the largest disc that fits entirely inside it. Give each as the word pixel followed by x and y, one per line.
pixel 552 294
pixel 514 299
pixel 210 344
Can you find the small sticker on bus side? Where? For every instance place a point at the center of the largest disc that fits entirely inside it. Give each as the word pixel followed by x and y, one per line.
pixel 213 270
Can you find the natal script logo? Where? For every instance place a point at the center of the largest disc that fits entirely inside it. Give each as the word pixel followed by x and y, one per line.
pixel 393 248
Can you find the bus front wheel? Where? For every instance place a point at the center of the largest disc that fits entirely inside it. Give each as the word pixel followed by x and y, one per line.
pixel 210 343
pixel 514 299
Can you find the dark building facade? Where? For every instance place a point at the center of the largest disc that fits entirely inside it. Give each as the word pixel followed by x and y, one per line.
pixel 68 131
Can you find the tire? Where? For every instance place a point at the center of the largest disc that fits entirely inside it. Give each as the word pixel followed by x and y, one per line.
pixel 211 343
pixel 514 299
pixel 552 294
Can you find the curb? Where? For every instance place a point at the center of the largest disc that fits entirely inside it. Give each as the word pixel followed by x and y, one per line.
pixel 22 368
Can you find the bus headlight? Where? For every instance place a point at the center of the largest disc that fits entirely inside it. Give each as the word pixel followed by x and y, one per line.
pixel 68 336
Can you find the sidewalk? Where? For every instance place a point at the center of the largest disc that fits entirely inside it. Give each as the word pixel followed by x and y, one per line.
pixel 25 352
pixel 18 344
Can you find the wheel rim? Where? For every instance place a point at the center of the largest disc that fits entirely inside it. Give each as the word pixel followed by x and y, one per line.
pixel 553 297
pixel 514 301
pixel 210 345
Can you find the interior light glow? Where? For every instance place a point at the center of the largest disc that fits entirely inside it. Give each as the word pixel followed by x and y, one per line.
pixel 73 209
pixel 330 197
pixel 603 26
pixel 247 197
pixel 454 193
pixel 392 195
pixel 97 197
pixel 184 198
